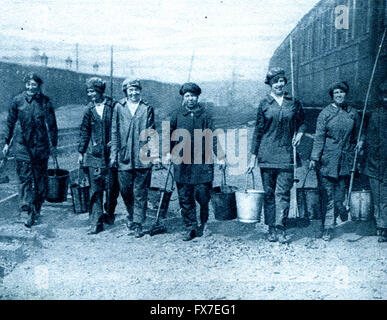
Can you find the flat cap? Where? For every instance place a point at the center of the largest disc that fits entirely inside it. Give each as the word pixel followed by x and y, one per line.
pixel 190 87
pixel 33 76
pixel 96 83
pixel 339 85
pixel 131 83
pixel 274 74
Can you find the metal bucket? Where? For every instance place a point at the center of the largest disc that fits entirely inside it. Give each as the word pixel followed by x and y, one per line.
pixel 81 197
pixel 360 205
pixel 58 184
pixel 309 204
pixel 249 203
pixel 154 195
pixel 308 201
pixel 223 200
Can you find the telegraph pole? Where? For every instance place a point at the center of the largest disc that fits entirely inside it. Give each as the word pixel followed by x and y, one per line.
pixel 191 64
pixel 111 71
pixel 77 57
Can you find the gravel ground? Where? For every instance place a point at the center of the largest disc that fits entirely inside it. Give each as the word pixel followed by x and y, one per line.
pixel 58 260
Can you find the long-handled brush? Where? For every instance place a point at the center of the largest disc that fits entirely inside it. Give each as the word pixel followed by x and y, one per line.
pixel 159 228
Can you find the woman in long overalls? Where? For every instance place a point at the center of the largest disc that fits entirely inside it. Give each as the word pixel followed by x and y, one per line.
pixel 31 123
pixel 333 151
pixel 279 127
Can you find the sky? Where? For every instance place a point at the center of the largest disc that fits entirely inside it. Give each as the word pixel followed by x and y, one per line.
pixel 156 39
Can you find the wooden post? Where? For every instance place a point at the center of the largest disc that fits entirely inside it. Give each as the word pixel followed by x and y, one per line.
pixel 111 71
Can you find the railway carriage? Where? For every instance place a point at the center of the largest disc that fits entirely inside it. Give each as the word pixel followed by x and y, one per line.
pixel 326 50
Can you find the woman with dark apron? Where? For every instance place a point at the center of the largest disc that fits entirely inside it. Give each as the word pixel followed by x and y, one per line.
pixel 279 127
pixel 333 154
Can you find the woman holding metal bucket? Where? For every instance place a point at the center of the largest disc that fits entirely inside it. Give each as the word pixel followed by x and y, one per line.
pixel 333 152
pixel 31 124
pixel 279 127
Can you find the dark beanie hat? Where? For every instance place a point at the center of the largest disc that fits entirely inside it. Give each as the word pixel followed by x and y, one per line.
pixel 96 83
pixel 274 74
pixel 190 87
pixel 33 76
pixel 339 85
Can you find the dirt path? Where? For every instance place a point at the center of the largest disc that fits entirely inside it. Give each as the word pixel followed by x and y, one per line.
pixel 56 259
pixel 60 261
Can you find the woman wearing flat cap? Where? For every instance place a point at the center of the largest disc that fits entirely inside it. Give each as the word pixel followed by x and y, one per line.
pixel 132 116
pixel 193 178
pixel 376 160
pixel 94 154
pixel 279 127
pixel 333 154
pixel 31 124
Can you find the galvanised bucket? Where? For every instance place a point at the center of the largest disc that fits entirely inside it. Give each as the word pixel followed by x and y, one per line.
pixel 249 203
pixel 360 205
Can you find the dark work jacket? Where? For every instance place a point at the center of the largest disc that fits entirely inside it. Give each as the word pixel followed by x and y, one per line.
pixel 95 135
pixel 335 140
pixel 274 130
pixel 126 135
pixel 32 123
pixel 188 171
pixel 376 146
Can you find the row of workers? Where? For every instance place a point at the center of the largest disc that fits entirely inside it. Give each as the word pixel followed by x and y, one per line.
pixel 110 147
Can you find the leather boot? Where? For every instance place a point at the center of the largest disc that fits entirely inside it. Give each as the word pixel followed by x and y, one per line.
pixel 31 218
pixel 272 236
pixel 138 230
pixel 327 234
pixel 383 236
pixel 97 229
pixel 29 221
pixel 189 235
pixel 109 218
pixel 282 238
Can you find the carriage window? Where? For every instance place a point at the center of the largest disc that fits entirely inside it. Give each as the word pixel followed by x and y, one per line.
pixel 385 13
pixel 362 15
pixel 353 19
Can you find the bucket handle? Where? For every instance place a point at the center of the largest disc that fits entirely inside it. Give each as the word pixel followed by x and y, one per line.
pixel 223 182
pixel 56 165
pixel 247 180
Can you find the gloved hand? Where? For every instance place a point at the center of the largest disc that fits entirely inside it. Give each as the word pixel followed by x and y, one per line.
pixel 80 159
pixel 312 164
pixel 222 164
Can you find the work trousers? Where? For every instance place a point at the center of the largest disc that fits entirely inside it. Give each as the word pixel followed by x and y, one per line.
pixel 188 193
pixel 32 184
pixel 379 199
pixel 102 179
pixel 134 186
pixel 277 184
pixel 333 197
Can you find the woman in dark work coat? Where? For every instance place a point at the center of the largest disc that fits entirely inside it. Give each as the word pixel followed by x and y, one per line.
pixel 333 151
pixel 31 123
pixel 279 127
pixel 376 150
